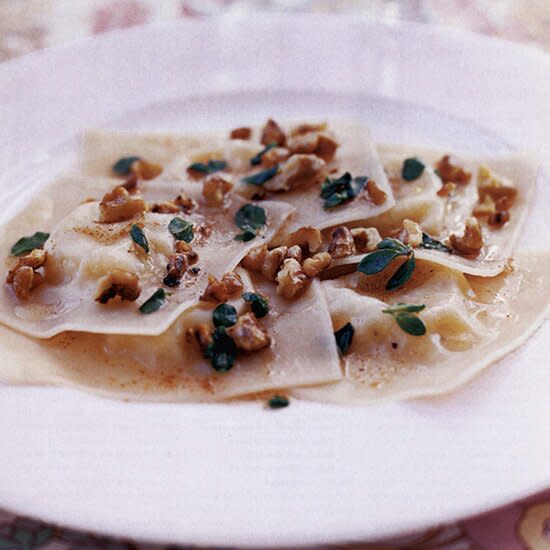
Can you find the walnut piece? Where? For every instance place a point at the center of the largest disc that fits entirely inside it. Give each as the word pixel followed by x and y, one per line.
pixel 294 252
pixel 249 334
pixel 489 185
pixel 484 208
pixel 181 247
pixel 411 234
pixel 291 279
pixel 449 172
pixel 499 218
pixel 24 277
pixel 220 291
pixel 243 132
pixel 316 264
pixel 446 189
pixel 320 144
pixel 117 283
pixel 376 195
pixel 471 242
pixel 342 243
pixel 214 190
pixel 118 205
pixel 306 128
pixel 298 171
pixel 182 203
pixel 131 184
pixel 202 334
pixel 366 239
pixel 146 170
pixel 307 237
pixel 272 261
pixel 272 133
pixel 175 269
pixel 274 156
pixel 254 260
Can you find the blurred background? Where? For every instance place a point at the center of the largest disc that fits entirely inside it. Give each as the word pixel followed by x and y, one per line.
pixel 26 25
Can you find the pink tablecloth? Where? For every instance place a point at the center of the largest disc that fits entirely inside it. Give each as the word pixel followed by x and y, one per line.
pixel 26 25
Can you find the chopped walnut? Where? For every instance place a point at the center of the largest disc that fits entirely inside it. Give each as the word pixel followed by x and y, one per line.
pixel 202 333
pixel 484 208
pixel 24 277
pixel 175 269
pixel 272 261
pixel 274 156
pixel 146 170
pixel 254 260
pixel 374 193
pixel 181 247
pixel 244 132
pixel 220 291
pixel 316 264
pixel 471 242
pixel 307 128
pixel 447 189
pixel 118 205
pixel 320 144
pixel 131 184
pixel 294 252
pixel 117 283
pixel 366 239
pixel 342 243
pixel 298 171
pixel 489 185
pixel 291 279
pixel 499 218
pixel 449 172
pixel 272 133
pixel 307 237
pixel 249 334
pixel 214 190
pixel 182 203
pixel 411 234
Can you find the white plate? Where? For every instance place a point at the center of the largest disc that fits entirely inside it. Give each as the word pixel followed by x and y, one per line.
pixel 239 474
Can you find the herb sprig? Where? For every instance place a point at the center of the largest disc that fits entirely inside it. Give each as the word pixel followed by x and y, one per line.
pixel 138 236
pixel 429 243
pixel 250 218
pixel 259 178
pixel 222 350
pixel 123 166
pixel 378 260
pixel 344 337
pixel 224 315
pixel 208 167
pixel 405 318
pixel 28 244
pixel 257 159
pixel 278 402
pixel 155 302
pixel 258 304
pixel 337 191
pixel 181 230
pixel 412 169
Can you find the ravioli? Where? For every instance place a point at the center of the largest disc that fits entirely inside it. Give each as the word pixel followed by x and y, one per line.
pixel 470 321
pixel 356 154
pixel 80 251
pixel 168 368
pixel 441 216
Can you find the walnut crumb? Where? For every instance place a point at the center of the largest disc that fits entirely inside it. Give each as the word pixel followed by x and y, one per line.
pixel 221 290
pixel 24 277
pixel 342 244
pixel 117 283
pixel 450 172
pixel 182 203
pixel 214 190
pixel 249 334
pixel 307 237
pixel 411 233
pixel 272 261
pixel 316 264
pixel 146 170
pixel 254 260
pixel 243 132
pixel 272 133
pixel 118 205
pixel 299 171
pixel 366 239
pixel 376 195
pixel 291 279
pixel 470 242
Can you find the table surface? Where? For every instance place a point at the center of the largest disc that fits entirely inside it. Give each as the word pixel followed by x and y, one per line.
pixel 27 25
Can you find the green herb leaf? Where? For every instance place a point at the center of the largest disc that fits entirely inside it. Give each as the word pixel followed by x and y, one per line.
pixel 28 244
pixel 154 303
pixel 224 315
pixel 336 191
pixel 208 168
pixel 258 304
pixel 278 402
pixel 181 230
pixel 402 275
pixel 412 169
pixel 250 217
pixel 222 351
pixel 344 336
pixel 123 166
pixel 377 261
pixel 400 307
pixel 245 236
pixel 395 245
pixel 257 159
pixel 138 236
pixel 432 244
pixel 410 324
pixel 259 178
